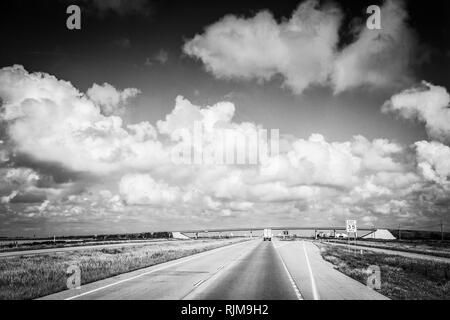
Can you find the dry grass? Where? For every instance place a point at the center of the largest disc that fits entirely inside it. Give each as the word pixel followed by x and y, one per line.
pixel 10 246
pixel 433 248
pixel 29 277
pixel 402 278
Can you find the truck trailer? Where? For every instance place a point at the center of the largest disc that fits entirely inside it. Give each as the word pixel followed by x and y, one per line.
pixel 267 235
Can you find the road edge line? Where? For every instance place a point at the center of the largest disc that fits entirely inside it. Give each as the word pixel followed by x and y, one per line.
pixel 206 253
pixel 311 275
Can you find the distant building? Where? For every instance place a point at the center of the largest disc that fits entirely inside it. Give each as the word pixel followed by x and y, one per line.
pixel 179 236
pixel 383 234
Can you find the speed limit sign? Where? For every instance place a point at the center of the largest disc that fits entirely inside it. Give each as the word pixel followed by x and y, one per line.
pixel 351 226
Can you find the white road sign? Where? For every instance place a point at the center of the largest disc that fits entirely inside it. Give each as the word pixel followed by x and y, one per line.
pixel 351 226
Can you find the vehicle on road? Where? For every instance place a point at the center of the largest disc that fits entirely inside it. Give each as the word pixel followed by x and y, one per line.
pixel 323 235
pixel 341 236
pixel 267 235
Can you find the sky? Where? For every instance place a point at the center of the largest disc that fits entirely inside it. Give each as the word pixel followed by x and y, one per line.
pixel 89 118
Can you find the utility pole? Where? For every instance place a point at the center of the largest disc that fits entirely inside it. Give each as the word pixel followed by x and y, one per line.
pixel 442 230
pixel 399 232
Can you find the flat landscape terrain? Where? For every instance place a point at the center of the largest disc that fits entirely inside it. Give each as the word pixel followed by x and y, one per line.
pixel 423 247
pixel 255 269
pixel 404 276
pixel 29 276
pixel 224 269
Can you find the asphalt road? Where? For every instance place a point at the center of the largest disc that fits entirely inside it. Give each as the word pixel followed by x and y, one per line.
pixel 317 279
pixel 245 271
pixel 258 275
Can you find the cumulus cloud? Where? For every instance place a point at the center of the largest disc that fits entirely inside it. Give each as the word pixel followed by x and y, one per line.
pixel 316 161
pixel 434 161
pixel 110 100
pixel 303 49
pixel 185 115
pixel 144 190
pixel 429 104
pixel 4 152
pixel 49 120
pixel 14 181
pixel 378 58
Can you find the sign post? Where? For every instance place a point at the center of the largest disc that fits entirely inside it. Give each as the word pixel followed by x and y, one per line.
pixel 352 228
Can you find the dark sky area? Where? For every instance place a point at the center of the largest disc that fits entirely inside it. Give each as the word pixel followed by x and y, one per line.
pixel 34 33
pixel 113 47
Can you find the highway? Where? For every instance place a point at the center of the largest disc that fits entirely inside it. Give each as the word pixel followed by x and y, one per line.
pixel 291 270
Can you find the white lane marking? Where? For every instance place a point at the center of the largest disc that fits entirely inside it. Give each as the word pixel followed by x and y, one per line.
pixel 199 283
pixel 291 280
pixel 154 270
pixel 214 276
pixel 281 245
pixel 311 275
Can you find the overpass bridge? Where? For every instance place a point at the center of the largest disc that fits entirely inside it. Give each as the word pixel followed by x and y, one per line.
pixel 251 229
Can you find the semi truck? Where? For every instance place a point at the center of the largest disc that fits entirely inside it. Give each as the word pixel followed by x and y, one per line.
pixel 267 235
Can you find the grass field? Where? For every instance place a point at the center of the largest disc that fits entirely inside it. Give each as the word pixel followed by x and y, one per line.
pixel 29 277
pixel 401 278
pixel 428 247
pixel 39 245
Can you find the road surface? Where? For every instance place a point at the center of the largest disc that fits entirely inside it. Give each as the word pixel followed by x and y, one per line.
pixel 317 278
pixel 244 271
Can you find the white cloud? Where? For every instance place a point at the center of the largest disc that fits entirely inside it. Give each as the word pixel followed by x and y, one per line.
pixel 144 190
pixel 434 161
pixel 303 49
pixel 429 104
pixel 51 120
pixel 185 115
pixel 378 58
pixel 340 165
pixel 110 100
pixel 4 152
pixel 16 180
pixel 378 155
pixel 43 206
